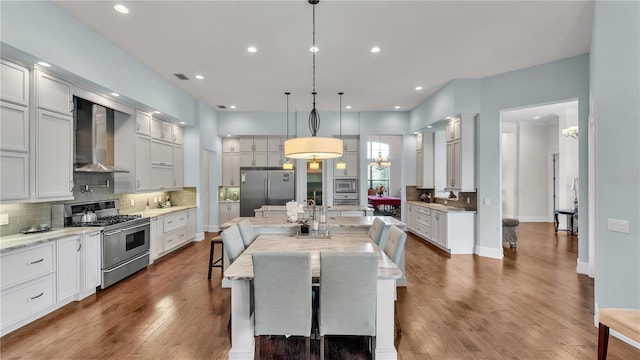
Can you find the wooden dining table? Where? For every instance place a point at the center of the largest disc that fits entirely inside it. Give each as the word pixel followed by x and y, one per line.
pixel 240 274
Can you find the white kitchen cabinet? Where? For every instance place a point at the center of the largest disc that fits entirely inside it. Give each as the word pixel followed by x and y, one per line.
pixel 276 144
pixel 228 211
pixel 351 160
pixel 460 156
pixel 14 132
pixel 350 157
pixel 52 93
pixel 156 245
pixel 350 144
pixel 68 261
pixel 14 127
pixel 439 228
pixel 25 264
pixel 254 159
pixel 161 153
pixel 161 130
pixel 178 135
pixel 90 271
pixel 27 302
pixel 143 123
pixel 53 150
pixel 172 231
pixel 161 177
pixel 14 83
pixel 419 168
pixel 248 144
pixel 231 169
pixel 178 167
pixel 143 163
pixel 275 159
pixel 14 175
pixel 191 224
pixel 230 145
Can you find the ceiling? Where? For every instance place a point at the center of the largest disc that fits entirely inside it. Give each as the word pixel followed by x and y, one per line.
pixel 423 43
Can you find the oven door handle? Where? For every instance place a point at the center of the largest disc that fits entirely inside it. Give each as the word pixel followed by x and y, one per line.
pixel 112 232
pixel 135 227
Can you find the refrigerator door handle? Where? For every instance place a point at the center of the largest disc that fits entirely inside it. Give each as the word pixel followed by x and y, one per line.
pixel 268 189
pixel 265 193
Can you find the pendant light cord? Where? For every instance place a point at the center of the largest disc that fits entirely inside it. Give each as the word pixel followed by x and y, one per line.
pixel 314 116
pixel 287 93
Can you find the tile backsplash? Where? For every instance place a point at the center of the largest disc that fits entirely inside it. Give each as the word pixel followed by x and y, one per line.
pixel 27 214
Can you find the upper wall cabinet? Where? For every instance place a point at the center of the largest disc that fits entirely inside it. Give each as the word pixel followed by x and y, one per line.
pixel 425 161
pixel 460 132
pixel 161 130
pixel 53 94
pixel 143 123
pixel 230 145
pixel 15 83
pixel 254 144
pixel 178 135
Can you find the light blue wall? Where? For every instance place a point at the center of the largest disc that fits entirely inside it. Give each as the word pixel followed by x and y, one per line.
pixel 615 88
pixel 44 31
pixel 560 80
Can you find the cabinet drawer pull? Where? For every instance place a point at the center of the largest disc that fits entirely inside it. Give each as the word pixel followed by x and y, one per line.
pixel 35 297
pixel 170 222
pixel 181 235
pixel 35 262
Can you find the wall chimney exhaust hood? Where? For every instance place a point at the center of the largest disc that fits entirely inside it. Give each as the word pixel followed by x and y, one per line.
pixel 94 138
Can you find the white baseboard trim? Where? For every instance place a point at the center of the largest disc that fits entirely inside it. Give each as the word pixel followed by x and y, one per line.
pixel 211 228
pixel 199 236
pixel 533 219
pixel 489 252
pixel 628 340
pixel 582 267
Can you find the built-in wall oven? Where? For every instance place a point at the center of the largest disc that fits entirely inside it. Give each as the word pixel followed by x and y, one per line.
pixel 345 191
pixel 125 238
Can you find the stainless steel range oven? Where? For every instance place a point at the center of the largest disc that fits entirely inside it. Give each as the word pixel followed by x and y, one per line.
pixel 125 238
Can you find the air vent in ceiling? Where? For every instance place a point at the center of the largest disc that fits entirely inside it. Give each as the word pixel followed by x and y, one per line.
pixel 181 76
pixel 222 107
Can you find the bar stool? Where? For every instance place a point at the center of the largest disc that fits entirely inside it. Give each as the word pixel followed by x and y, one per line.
pixel 219 263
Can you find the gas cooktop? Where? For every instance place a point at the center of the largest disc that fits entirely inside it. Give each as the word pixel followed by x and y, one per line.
pixel 109 220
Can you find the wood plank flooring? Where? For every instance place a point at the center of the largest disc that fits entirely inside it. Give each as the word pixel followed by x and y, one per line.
pixel 530 305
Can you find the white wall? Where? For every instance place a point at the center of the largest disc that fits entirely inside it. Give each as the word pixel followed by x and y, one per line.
pixel 568 149
pixel 533 173
pixel 509 158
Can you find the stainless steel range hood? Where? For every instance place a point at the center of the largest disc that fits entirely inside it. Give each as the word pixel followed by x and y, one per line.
pixel 94 138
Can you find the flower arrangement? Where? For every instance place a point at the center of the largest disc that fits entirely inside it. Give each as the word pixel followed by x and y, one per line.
pixel 380 190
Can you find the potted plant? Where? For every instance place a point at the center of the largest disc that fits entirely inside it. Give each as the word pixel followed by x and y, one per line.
pixel 304 226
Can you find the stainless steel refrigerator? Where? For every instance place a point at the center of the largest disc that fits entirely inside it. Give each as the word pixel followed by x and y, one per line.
pixel 260 186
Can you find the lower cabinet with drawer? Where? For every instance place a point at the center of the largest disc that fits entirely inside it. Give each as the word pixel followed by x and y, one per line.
pixel 452 231
pixel 172 231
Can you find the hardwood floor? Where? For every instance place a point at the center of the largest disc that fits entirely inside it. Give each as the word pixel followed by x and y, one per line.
pixel 530 305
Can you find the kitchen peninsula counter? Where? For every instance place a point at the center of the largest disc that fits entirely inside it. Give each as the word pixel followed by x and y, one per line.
pixel 155 212
pixel 441 207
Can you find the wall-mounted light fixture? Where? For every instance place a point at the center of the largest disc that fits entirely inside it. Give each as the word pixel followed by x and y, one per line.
pixel 571 131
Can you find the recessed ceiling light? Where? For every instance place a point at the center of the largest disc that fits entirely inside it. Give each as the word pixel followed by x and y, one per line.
pixel 199 77
pixel 157 112
pixel 314 49
pixel 375 50
pixel 348 107
pixel 252 49
pixel 397 107
pixel 537 117
pixel 228 135
pixel 115 94
pixel 121 8
pixel 429 126
pixel 44 64
pixel 182 122
pixel 418 88
pixel 232 107
pixel 415 133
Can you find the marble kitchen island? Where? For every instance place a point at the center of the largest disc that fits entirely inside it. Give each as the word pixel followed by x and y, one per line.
pixel 336 225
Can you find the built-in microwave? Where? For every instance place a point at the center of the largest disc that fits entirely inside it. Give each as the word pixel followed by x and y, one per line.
pixel 346 185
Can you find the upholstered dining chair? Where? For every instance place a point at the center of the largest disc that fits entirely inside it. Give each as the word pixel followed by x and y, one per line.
pixel 394 244
pixel 375 231
pixel 232 242
pixel 348 292
pixel 246 231
pixel 282 296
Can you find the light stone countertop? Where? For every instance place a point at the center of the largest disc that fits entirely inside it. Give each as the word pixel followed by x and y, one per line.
pixel 12 242
pixel 283 208
pixel 153 213
pixel 242 267
pixel 441 207
pixel 332 222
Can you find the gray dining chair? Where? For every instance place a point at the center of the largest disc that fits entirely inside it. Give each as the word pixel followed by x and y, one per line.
pixel 348 293
pixel 246 231
pixel 394 244
pixel 232 242
pixel 282 296
pixel 375 231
